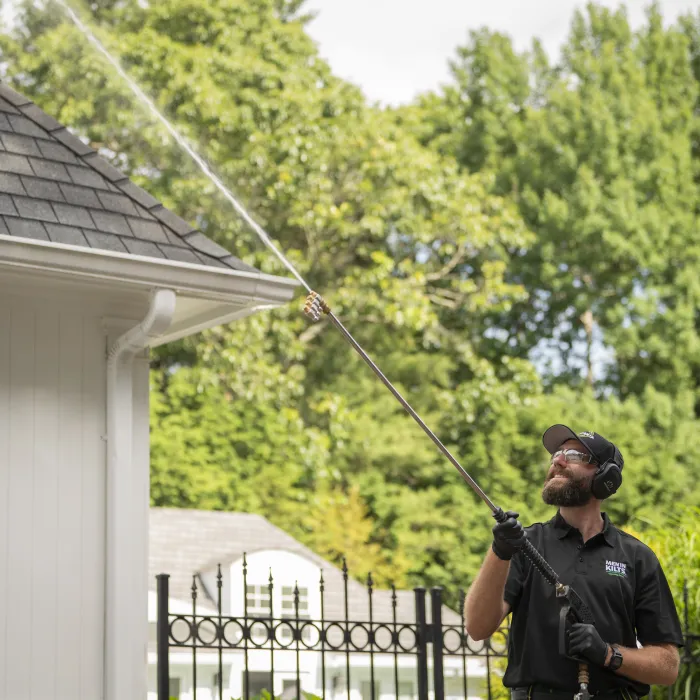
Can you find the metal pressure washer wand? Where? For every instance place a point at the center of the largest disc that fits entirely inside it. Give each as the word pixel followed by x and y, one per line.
pixel 314 307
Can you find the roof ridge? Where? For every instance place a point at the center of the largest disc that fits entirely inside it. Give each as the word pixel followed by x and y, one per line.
pixel 205 249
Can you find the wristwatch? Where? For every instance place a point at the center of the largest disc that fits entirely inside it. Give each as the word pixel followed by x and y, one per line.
pixel 615 659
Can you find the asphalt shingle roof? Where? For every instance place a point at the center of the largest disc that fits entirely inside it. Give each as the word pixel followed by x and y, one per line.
pixel 187 542
pixel 55 188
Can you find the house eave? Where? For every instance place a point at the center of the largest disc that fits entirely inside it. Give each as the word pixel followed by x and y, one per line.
pixel 226 287
pixel 217 315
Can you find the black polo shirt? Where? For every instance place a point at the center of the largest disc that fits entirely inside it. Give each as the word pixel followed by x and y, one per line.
pixel 616 575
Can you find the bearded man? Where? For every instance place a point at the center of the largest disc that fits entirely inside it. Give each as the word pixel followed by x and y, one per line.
pixel 635 640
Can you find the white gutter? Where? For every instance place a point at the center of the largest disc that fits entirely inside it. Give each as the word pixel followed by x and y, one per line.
pixel 103 266
pixel 127 502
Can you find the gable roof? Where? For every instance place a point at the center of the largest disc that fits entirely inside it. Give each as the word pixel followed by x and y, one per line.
pixel 56 189
pixel 183 543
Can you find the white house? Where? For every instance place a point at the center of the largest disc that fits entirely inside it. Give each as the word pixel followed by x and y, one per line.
pixel 189 544
pixel 93 272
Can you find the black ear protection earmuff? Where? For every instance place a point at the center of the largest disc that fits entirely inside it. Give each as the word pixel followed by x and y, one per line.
pixel 608 477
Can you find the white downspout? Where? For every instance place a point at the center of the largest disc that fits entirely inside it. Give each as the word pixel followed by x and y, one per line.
pixel 126 594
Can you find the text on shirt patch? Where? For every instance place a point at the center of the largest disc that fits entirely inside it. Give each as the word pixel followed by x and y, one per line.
pixel 616 568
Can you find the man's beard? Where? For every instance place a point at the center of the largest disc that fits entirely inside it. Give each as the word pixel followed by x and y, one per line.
pixel 569 492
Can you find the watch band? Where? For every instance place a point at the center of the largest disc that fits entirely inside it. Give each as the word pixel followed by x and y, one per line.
pixel 615 659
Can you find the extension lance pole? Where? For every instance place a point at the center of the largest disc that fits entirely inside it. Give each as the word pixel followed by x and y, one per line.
pixel 409 409
pixel 315 306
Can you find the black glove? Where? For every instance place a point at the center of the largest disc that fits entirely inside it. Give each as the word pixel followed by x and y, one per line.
pixel 584 641
pixel 508 537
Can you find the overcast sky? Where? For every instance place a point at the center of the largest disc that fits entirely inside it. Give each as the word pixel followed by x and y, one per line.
pixel 395 49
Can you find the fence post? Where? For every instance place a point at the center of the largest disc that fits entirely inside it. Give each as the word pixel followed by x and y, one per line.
pixel 162 635
pixel 436 629
pixel 421 643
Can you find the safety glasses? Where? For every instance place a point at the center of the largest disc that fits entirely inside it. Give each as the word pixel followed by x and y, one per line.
pixel 573 457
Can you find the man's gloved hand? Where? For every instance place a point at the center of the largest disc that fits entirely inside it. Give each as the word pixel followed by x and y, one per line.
pixel 508 537
pixel 585 641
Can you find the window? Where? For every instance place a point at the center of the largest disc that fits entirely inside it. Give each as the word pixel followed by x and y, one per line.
pixel 289 611
pixel 288 602
pixel 258 600
pixel 258 606
pixel 174 688
pixel 258 681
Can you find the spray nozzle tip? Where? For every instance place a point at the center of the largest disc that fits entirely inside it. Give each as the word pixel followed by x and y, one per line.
pixel 314 306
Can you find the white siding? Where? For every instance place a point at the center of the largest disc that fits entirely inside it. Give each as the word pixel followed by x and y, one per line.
pixel 52 466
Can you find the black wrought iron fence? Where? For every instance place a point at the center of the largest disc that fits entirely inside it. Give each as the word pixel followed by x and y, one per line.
pixel 414 652
pixel 418 633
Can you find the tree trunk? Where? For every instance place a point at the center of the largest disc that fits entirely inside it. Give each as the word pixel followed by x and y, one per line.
pixel 587 320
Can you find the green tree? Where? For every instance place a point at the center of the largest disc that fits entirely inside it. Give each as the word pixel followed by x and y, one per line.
pixel 479 119
pixel 598 152
pixel 675 538
pixel 274 415
pixel 349 533
pixel 431 263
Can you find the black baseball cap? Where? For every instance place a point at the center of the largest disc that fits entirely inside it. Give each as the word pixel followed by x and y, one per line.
pixel 597 446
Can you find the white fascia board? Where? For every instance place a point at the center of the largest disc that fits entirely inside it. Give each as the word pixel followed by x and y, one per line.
pixel 122 269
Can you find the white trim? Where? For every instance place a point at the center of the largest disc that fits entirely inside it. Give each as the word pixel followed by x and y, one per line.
pixel 134 270
pixel 210 319
pixel 126 572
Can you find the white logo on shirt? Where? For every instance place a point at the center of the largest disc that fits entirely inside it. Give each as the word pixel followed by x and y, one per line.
pixel 616 568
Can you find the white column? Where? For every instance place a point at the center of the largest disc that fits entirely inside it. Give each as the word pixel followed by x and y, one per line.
pixel 120 681
pixel 141 501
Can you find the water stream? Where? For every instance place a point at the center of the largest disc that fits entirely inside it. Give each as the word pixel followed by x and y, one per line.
pixel 181 141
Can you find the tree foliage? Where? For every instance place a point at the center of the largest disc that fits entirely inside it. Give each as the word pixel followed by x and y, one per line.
pixel 674 539
pixel 598 152
pixel 484 244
